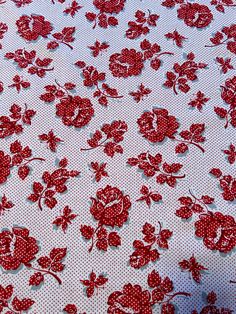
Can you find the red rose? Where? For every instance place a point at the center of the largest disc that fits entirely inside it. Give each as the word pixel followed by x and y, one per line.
pixel 156 125
pixel 128 62
pixel 195 15
pixel 16 248
pixel 32 27
pixel 5 166
pixel 131 298
pixel 110 207
pixel 217 230
pixel 228 93
pixel 109 6
pixel 75 111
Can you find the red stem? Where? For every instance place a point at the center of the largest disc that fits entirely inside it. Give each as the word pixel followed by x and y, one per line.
pixel 36 158
pixel 222 43
pixel 186 294
pixel 90 148
pixel 67 45
pixel 93 242
pixel 49 273
pixel 232 281
pixel 104 94
pixel 40 198
pixel 190 142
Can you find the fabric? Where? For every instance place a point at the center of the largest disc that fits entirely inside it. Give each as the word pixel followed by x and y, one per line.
pixel 117 156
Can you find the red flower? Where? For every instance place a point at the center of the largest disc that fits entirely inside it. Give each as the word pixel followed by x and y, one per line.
pixel 195 15
pixel 51 139
pixel 217 230
pixel 5 204
pixel 128 62
pixel 140 93
pixel 110 207
pixel 93 283
pixel 17 248
pixel 193 267
pixel 65 219
pixel 132 298
pixel 231 154
pixel 32 27
pixel 109 6
pixel 157 124
pixel 75 111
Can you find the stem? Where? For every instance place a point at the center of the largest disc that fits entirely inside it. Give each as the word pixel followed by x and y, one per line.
pixel 186 294
pixel 171 175
pixel 232 281
pixel 190 142
pixel 49 273
pixel 93 242
pixel 90 148
pixel 165 53
pixel 104 94
pixel 36 158
pixel 40 198
pixel 67 45
pixel 222 43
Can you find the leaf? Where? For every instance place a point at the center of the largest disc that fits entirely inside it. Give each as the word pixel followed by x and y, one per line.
pixel 57 254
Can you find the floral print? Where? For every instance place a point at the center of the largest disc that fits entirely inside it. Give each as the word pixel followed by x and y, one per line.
pixel 117 156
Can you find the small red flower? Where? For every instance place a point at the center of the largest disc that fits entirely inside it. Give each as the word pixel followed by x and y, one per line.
pixel 73 8
pixel 199 101
pixel 99 170
pixel 94 282
pixel 140 93
pixel 176 37
pixel 19 83
pixel 225 64
pixel 51 139
pixel 193 267
pixel 157 124
pixel 98 47
pixel 149 196
pixel 65 219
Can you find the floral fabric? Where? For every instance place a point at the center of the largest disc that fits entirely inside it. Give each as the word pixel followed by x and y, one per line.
pixel 117 156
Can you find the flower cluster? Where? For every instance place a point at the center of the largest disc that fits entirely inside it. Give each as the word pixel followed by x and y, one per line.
pixel 193 14
pixel 14 123
pixel 211 299
pixel 144 251
pixel 226 36
pixel 227 184
pixel 17 305
pixel 150 165
pixel 26 59
pixel 92 79
pixel 110 208
pixel 106 9
pixel 228 95
pixel 130 62
pixel 73 110
pixel 134 298
pixel 54 182
pixel 141 25
pixel 108 138
pixel 187 71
